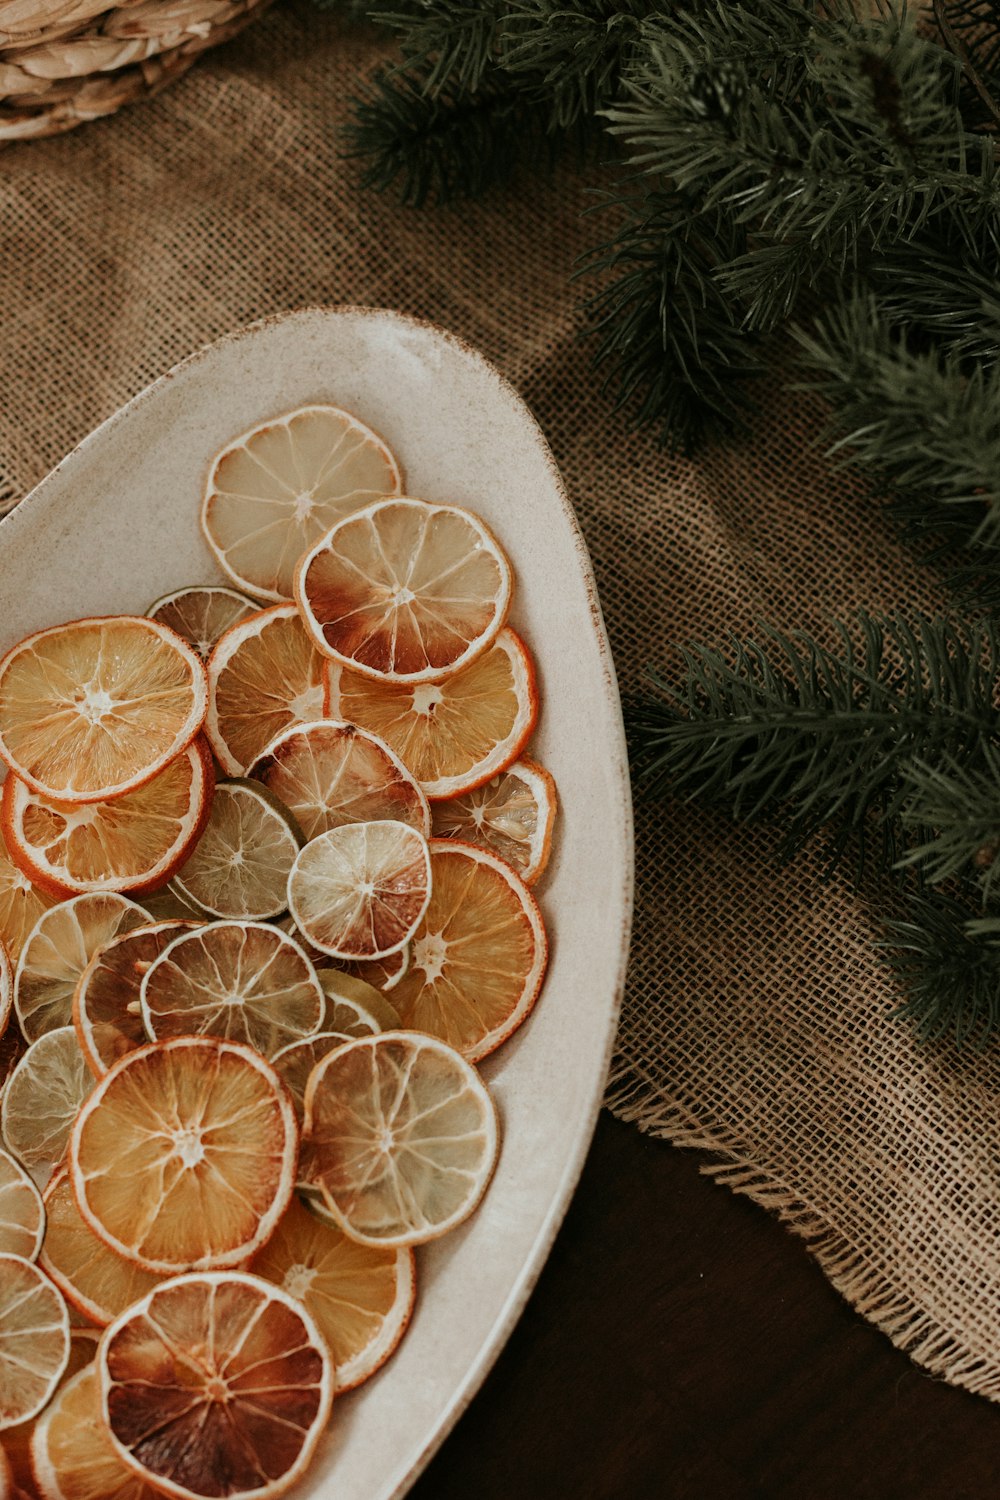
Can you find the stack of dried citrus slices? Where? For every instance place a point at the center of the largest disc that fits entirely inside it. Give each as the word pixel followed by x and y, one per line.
pixel 265 902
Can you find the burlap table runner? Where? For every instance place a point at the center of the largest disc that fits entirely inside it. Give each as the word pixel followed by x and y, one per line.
pixel 757 1021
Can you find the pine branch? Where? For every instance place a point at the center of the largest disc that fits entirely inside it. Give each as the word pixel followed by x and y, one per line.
pixel 450 44
pixel 948 962
pixel 947 291
pixel 971 28
pixel 824 738
pixel 570 52
pixel 953 810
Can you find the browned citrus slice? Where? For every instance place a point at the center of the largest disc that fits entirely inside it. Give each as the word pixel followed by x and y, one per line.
pixel 329 773
pixel 405 590
pixel 276 489
pixel 201 613
pixel 131 843
pixel 216 1385
pixel 73 1456
pixel 21 903
pixel 454 734
pixel 361 1296
pixel 94 708
pixel 22 1217
pixel 6 989
pixel 93 1279
pixel 12 1049
pixel 184 1155
pixel 360 891
pixel 294 1064
pixel 41 1101
pixel 512 815
pixel 171 905
pixel 59 948
pixel 479 954
pixel 382 973
pixel 241 864
pixel 6 1478
pixel 264 675
pixel 404 1137
pixel 34 1340
pixel 245 981
pixel 106 1009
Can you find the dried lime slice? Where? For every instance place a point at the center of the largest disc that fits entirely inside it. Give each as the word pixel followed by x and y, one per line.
pixel 241 864
pixel 59 948
pixel 41 1101
pixel 201 613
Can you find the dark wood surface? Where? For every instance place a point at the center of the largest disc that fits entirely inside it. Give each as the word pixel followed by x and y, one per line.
pixel 682 1345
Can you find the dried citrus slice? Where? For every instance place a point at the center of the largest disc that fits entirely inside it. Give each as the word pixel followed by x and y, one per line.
pixel 6 989
pixel 294 1064
pixel 405 590
pixel 42 1098
pixel 6 1478
pixel 329 773
pixel 22 1217
pixel 360 891
pixel 479 954
pixel 354 1006
pixel 275 489
pixel 245 981
pixel 382 973
pixel 184 1154
pixel 131 843
pixel 21 904
pixel 361 1296
pixel 404 1135
pixel 12 1049
pixel 241 864
pixel 455 734
pixel 201 613
pixel 512 815
pixel 94 708
pixel 264 676
pixel 34 1340
pixel 73 1456
pixel 59 948
pixel 216 1385
pixel 106 1010
pixel 93 1279
pixel 171 905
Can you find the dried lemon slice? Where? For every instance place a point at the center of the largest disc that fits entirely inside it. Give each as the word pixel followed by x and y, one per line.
pixel 22 1216
pixel 93 1279
pixel 201 613
pixel 59 948
pixel 34 1340
pixel 360 891
pixel 512 815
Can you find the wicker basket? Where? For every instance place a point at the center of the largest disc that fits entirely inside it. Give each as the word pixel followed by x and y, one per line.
pixel 66 61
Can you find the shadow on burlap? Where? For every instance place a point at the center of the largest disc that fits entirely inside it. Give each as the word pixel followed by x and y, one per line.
pixel 757 1022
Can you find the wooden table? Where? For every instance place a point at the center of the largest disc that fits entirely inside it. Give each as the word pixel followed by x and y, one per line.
pixel 682 1345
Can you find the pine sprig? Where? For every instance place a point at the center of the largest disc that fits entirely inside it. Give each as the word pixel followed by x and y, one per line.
pixel 450 44
pixel 947 961
pixel 953 812
pixel 570 52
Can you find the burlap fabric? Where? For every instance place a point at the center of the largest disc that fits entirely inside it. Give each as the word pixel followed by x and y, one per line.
pixel 757 1022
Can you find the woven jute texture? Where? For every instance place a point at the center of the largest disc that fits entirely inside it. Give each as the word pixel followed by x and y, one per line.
pixel 757 1024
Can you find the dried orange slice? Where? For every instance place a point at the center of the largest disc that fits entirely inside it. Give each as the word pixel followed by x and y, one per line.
pixel 21 904
pixel 131 843
pixel 512 815
pixel 241 864
pixel 360 891
pixel 22 1217
pixel 276 489
pixel 479 954
pixel 361 1296
pixel 201 613
pixel 405 590
pixel 72 1454
pixel 94 708
pixel 455 734
pixel 93 1279
pixel 106 1010
pixel 245 981
pixel 216 1384
pixel 404 1137
pixel 329 773
pixel 34 1340
pixel 264 675
pixel 184 1154
pixel 59 948
pixel 42 1099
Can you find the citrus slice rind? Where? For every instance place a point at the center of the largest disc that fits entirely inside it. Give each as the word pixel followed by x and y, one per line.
pixel 34 1340
pixel 264 676
pixel 95 707
pixel 478 957
pixel 22 1214
pixel 383 974
pixel 201 613
pixel 404 1137
pixel 454 734
pixel 72 1456
pixel 59 948
pixel 131 843
pixel 360 891
pixel 216 1384
pixel 107 1012
pixel 405 590
pixel 360 1296
pixel 274 490
pixel 329 773
pixel 354 1006
pixel 94 1280
pixel 241 863
pixel 6 988
pixel 21 903
pixel 512 815
pixel 247 982
pixel 42 1099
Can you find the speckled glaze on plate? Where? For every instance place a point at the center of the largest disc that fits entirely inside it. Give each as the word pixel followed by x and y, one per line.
pixel 115 526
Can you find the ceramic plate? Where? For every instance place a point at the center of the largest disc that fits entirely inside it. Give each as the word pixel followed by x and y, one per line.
pixel 116 525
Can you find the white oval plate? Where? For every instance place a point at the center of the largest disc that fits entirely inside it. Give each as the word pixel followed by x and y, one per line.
pixel 115 525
